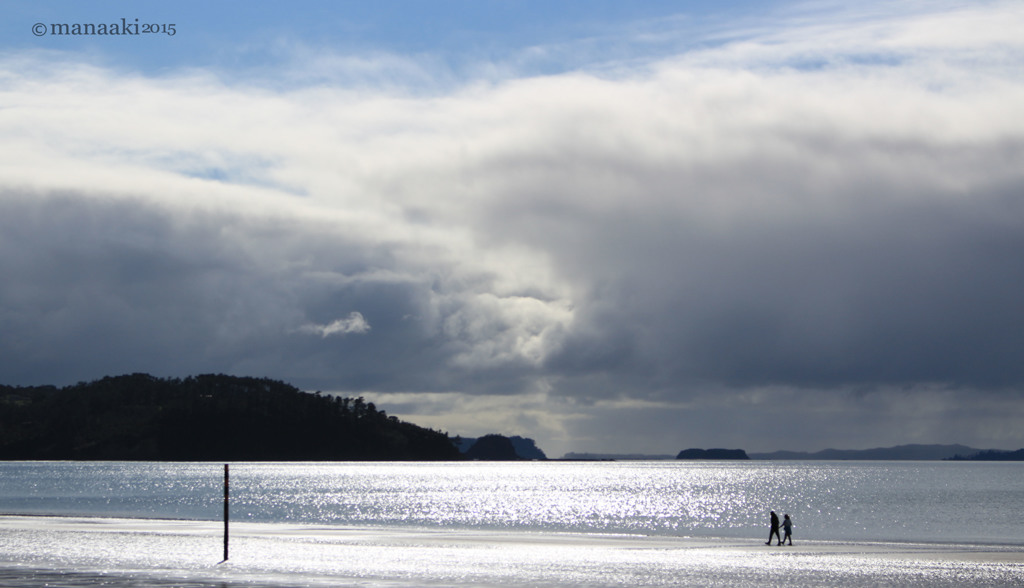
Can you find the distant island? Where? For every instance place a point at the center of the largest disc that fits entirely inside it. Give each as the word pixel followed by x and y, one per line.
pixel 499 447
pixel 913 452
pixel 695 453
pixel 899 452
pixel 204 418
pixel 991 455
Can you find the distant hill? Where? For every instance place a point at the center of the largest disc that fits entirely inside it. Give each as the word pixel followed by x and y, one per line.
pixel 525 448
pixel 991 455
pixel 204 418
pixel 493 448
pixel 899 452
pixel 695 453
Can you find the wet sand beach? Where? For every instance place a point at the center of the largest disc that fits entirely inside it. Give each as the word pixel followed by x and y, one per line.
pixel 73 552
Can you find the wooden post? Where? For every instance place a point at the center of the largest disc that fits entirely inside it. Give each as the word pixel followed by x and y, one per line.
pixel 225 512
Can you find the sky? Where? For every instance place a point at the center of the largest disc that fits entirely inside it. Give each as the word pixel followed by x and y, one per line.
pixel 607 226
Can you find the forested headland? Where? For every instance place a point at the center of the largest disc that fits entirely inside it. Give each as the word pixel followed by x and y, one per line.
pixel 204 418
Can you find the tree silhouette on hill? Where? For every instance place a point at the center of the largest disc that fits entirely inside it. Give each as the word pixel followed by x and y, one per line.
pixel 206 417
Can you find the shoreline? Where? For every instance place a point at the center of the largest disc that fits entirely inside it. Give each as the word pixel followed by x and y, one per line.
pixel 164 552
pixel 289 528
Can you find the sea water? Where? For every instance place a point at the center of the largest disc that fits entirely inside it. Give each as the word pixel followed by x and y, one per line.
pixel 391 512
pixel 884 501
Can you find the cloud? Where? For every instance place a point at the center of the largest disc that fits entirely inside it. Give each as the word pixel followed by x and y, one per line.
pixel 736 222
pixel 353 323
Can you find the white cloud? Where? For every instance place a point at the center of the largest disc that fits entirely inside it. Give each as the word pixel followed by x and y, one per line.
pixel 353 323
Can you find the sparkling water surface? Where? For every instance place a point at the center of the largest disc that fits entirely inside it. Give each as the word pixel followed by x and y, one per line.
pixel 657 523
pixel 880 501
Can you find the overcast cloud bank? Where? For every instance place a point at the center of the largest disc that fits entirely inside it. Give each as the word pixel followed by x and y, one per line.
pixel 809 237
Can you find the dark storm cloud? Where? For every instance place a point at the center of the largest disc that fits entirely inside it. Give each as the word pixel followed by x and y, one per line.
pixel 919 292
pixel 901 266
pixel 98 286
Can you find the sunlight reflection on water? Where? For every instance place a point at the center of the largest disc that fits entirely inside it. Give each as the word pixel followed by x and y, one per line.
pixel 648 497
pixel 863 500
pixel 903 501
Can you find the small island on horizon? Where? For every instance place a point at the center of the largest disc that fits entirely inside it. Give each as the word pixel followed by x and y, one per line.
pixel 712 454
pixel 911 452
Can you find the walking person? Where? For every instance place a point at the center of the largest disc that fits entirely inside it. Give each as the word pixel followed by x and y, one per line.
pixel 774 529
pixel 787 528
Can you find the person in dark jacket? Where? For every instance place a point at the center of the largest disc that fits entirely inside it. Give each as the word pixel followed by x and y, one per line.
pixel 774 529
